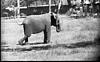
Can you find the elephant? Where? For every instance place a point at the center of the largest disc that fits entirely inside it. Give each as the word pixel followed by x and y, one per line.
pixel 40 23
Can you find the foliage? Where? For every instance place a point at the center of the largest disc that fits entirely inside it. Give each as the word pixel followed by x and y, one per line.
pixel 6 3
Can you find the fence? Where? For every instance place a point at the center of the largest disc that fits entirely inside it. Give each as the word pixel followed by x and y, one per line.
pixel 43 9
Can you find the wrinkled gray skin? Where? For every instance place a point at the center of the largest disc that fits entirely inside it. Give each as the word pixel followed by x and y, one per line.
pixel 37 23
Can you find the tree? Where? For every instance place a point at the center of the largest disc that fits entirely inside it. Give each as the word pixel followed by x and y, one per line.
pixel 6 3
pixel 2 4
pixel 23 3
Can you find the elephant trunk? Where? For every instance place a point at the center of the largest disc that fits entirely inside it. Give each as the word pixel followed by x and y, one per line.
pixel 58 28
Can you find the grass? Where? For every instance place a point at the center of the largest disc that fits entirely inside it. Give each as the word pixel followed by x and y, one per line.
pixel 69 44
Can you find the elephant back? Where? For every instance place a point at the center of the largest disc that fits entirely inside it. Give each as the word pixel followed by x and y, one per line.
pixel 43 18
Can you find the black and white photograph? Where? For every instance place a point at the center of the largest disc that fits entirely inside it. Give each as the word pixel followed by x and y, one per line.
pixel 50 30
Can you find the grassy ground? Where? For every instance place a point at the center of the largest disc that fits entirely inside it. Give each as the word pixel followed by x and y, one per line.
pixel 74 42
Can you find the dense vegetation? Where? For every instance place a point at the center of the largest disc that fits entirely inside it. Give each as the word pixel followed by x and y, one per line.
pixel 5 3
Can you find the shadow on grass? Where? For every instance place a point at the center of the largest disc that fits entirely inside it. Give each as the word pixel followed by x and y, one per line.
pixel 48 46
pixel 32 43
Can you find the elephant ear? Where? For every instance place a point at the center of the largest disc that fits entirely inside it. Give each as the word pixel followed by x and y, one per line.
pixel 53 19
pixel 54 15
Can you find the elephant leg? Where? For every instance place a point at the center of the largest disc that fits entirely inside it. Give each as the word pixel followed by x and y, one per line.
pixel 47 34
pixel 25 37
pixel 21 40
pixel 26 40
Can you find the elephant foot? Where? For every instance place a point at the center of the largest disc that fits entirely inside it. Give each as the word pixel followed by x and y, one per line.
pixel 46 42
pixel 25 43
pixel 21 43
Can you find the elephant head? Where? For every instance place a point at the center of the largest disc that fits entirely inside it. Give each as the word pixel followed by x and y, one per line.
pixel 55 21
